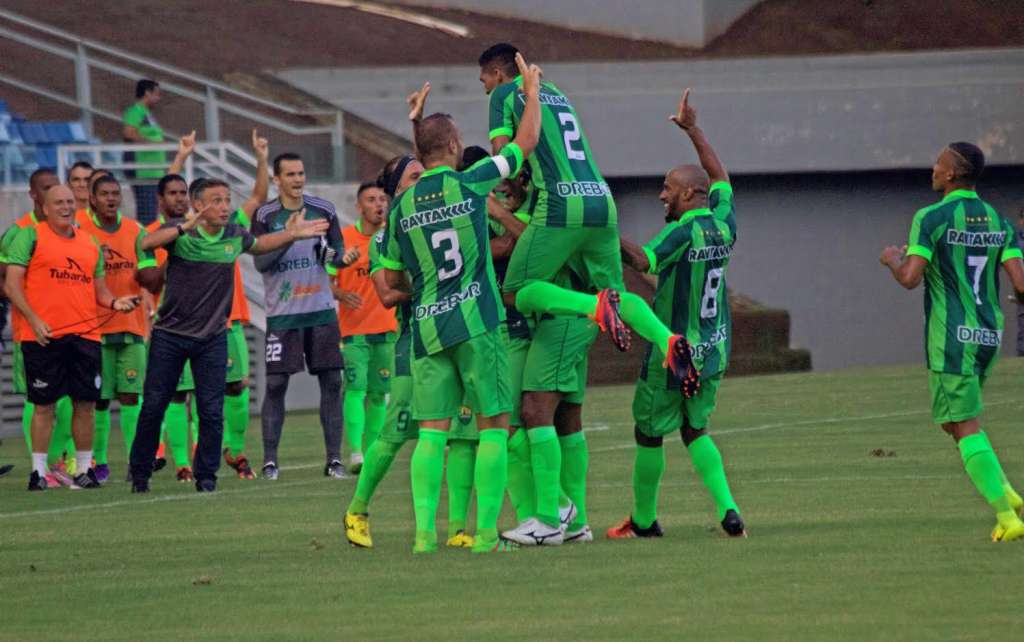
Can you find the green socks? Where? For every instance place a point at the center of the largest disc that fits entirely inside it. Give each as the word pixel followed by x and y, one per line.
pixel 376 412
pixel 575 461
pixel 1011 494
pixel 490 477
pixel 176 421
pixel 461 462
pixel 129 421
pixel 541 297
pixel 639 316
pixel 984 470
pixel 521 489
pixel 101 436
pixel 60 440
pixel 648 467
pixel 426 471
pixel 355 418
pixel 379 457
pixel 546 458
pixel 236 422
pixel 193 419
pixel 707 461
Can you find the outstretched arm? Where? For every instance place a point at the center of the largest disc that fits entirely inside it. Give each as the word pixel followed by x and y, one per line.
pixel 296 228
pixel 686 119
pixel 907 270
pixel 167 235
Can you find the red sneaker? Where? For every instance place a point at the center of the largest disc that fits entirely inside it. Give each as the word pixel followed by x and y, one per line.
pixel 680 362
pixel 608 319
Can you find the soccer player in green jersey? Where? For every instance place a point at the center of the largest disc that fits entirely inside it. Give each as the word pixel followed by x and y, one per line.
pixel 690 256
pixel 956 247
pixel 437 230
pixel 573 219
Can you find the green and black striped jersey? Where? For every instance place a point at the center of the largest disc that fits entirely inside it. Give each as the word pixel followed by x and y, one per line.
pixel 690 257
pixel 570 191
pixel 964 241
pixel 438 231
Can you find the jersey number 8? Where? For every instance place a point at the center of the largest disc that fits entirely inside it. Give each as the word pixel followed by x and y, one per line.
pixel 451 255
pixel 709 303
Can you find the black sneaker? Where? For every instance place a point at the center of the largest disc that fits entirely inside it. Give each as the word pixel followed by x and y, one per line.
pixel 6 469
pixel 87 480
pixel 733 525
pixel 627 529
pixel 35 482
pixel 335 469
pixel 140 485
pixel 206 485
pixel 159 463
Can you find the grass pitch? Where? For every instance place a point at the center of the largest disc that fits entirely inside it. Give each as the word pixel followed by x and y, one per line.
pixel 844 544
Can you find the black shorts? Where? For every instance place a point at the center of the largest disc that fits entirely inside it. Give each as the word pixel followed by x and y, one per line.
pixel 68 366
pixel 320 345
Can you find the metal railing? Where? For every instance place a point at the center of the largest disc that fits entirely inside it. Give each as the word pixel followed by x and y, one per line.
pixel 215 96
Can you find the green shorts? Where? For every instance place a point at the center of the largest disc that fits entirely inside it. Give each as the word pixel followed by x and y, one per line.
pixel 658 410
pixel 399 426
pixel 475 371
pixel 238 354
pixel 541 253
pixel 123 369
pixel 557 360
pixel 368 366
pixel 518 349
pixel 18 370
pixel 955 397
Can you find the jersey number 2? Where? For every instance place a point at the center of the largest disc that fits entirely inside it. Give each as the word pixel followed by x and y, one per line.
pixel 451 255
pixel 571 135
pixel 978 264
pixel 709 303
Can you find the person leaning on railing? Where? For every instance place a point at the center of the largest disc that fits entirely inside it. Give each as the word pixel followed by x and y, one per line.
pixel 141 127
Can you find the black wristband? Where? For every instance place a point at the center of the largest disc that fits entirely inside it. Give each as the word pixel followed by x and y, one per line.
pixel 181 230
pixel 112 302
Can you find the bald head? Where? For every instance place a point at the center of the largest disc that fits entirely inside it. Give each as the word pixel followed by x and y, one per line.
pixel 685 188
pixel 59 206
pixel 437 139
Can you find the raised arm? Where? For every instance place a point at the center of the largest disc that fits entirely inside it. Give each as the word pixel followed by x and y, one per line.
pixel 296 228
pixel 167 235
pixel 261 148
pixel 686 119
pixel 417 101
pixel 529 126
pixel 186 145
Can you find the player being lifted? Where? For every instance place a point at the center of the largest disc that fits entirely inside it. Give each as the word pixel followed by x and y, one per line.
pixel 690 256
pixel 956 247
pixel 437 230
pixel 573 218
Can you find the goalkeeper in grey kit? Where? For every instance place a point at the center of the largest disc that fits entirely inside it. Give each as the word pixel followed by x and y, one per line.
pixel 302 322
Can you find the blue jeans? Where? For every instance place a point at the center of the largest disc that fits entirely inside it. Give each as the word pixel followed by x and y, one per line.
pixel 167 355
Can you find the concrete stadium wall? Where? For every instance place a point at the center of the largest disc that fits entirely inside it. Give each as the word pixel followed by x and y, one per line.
pixel 809 244
pixel 691 23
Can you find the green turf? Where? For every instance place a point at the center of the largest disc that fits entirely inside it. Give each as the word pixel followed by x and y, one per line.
pixel 842 544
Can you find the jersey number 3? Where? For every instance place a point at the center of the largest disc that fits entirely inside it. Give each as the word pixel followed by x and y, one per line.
pixel 452 254
pixel 570 135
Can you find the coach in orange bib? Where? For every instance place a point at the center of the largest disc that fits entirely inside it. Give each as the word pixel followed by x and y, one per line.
pixel 55 278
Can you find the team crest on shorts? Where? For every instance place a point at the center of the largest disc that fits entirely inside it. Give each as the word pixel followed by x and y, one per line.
pixel 131 375
pixel 384 374
pixel 231 362
pixel 465 415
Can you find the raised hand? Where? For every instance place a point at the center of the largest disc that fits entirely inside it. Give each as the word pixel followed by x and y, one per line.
pixel 192 218
pixel 260 145
pixel 187 144
pixel 300 228
pixel 417 100
pixel 531 76
pixel 892 255
pixel 686 117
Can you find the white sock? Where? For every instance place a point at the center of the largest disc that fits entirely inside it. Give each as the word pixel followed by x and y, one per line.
pixel 39 463
pixel 83 461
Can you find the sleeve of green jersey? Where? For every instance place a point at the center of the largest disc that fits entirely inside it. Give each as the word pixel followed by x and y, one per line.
pixel 1010 249
pixel 389 254
pixel 484 176
pixel 921 242
pixel 720 199
pixel 100 270
pixel 21 247
pixel 135 115
pixel 143 258
pixel 239 217
pixel 500 105
pixel 373 252
pixel 5 242
pixel 664 248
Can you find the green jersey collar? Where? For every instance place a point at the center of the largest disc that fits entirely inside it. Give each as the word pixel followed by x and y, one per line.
pixel 97 223
pixel 694 213
pixel 960 193
pixel 207 236
pixel 35 219
pixel 436 170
